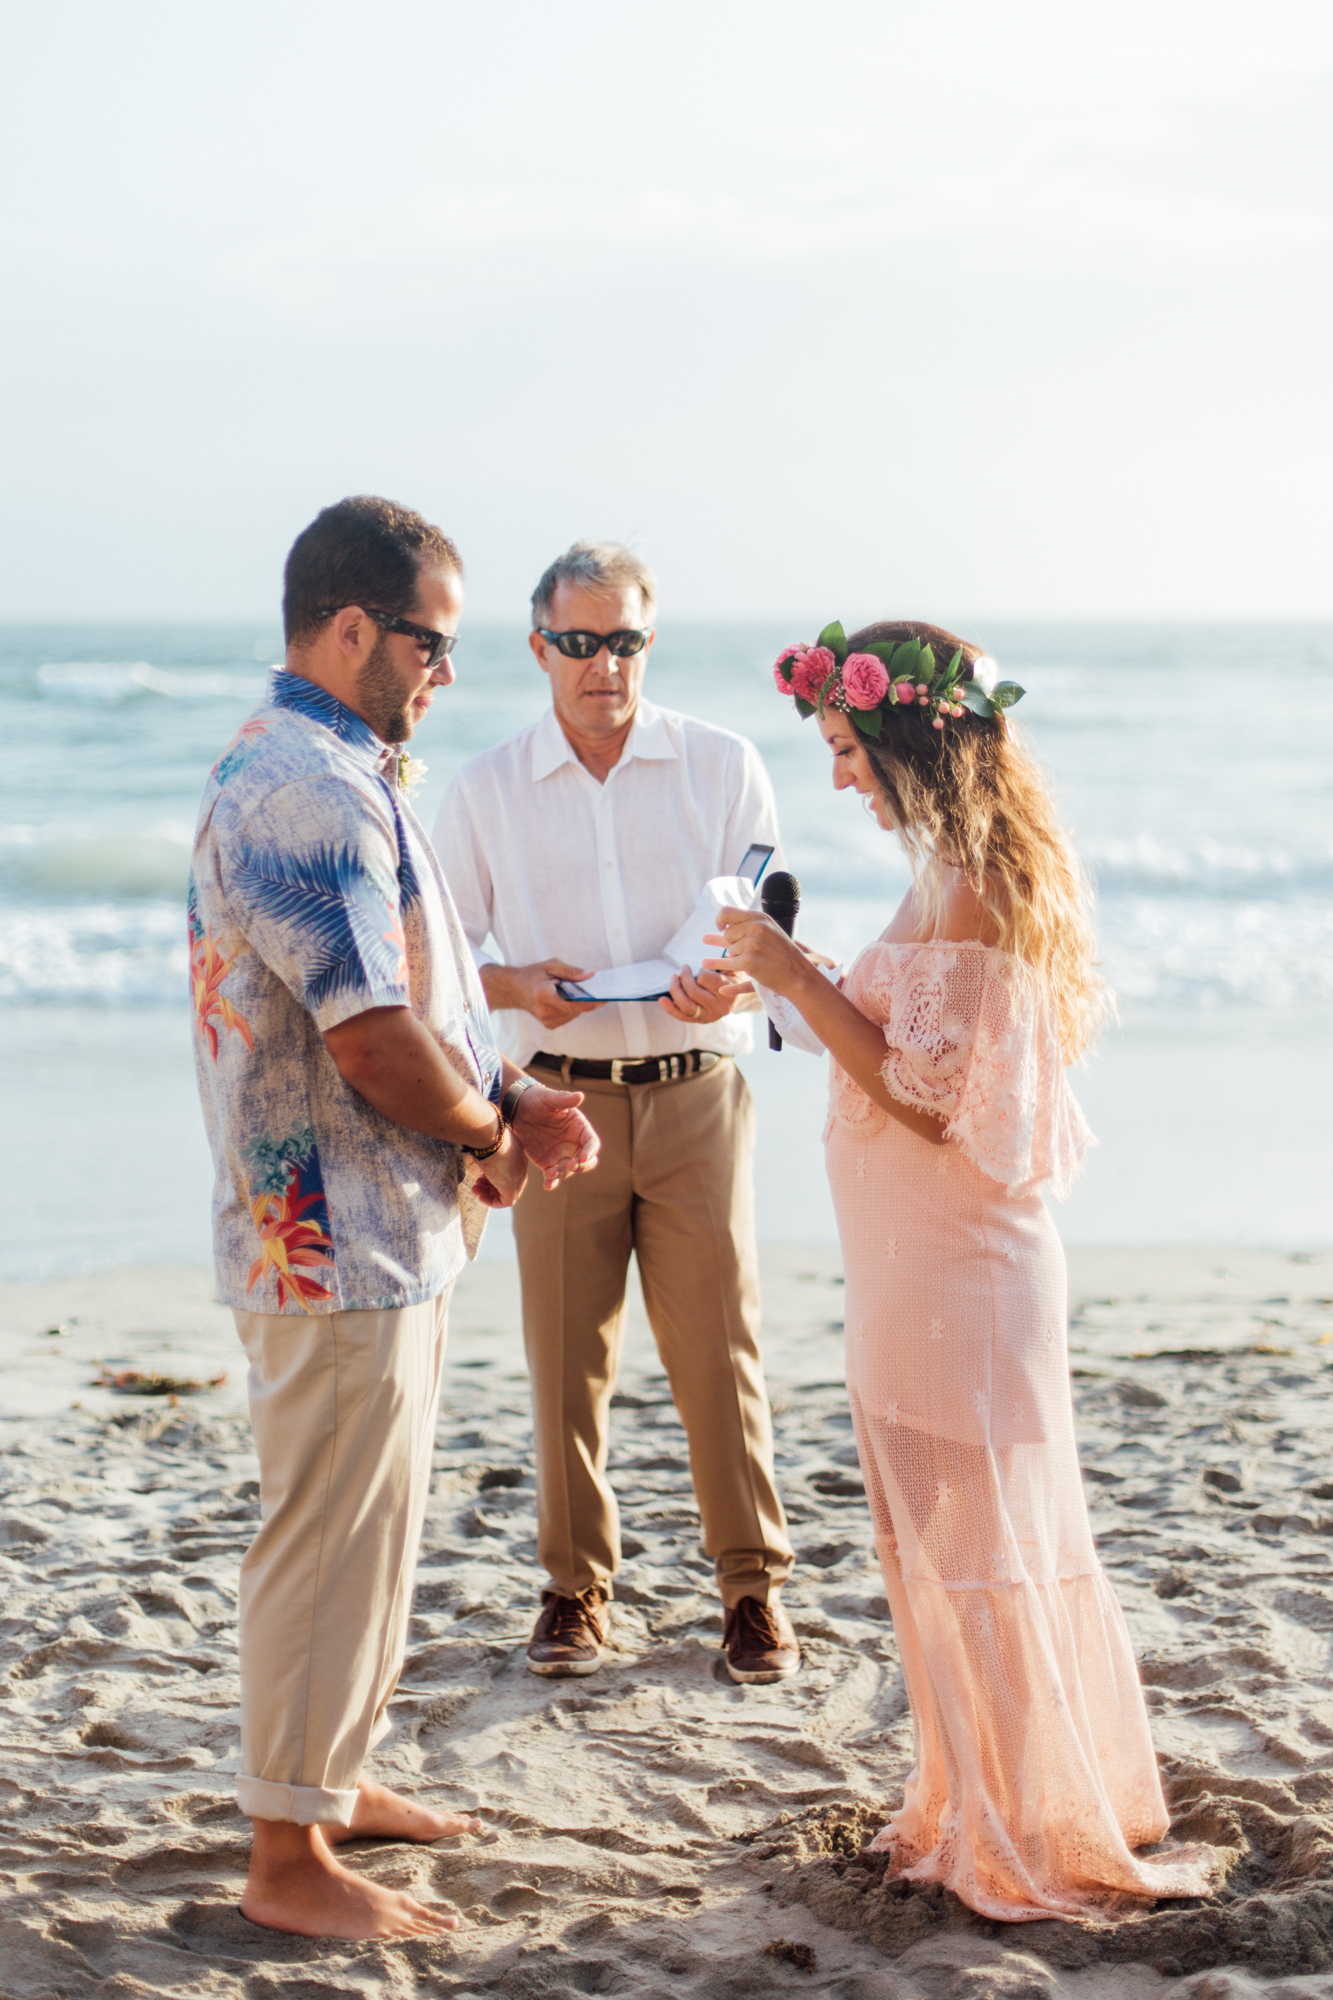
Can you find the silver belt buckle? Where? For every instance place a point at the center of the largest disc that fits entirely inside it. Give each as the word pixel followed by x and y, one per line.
pixel 617 1064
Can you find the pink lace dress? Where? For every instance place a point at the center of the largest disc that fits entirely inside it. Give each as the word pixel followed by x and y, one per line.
pixel 1035 1775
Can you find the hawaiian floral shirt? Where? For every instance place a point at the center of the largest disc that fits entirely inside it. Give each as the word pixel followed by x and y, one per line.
pixel 314 895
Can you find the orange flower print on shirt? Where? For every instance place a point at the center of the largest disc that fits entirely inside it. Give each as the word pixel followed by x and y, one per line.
pixel 291 1217
pixel 209 966
pixel 396 937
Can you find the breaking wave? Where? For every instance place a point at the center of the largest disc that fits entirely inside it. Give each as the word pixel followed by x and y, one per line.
pixel 153 861
pixel 1146 864
pixel 108 680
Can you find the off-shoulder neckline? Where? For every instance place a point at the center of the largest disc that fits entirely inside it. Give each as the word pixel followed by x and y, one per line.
pixel 935 944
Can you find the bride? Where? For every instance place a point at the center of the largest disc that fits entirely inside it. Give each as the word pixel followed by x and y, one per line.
pixel 1034 1777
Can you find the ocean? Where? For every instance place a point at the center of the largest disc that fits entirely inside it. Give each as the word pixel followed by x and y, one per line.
pixel 1192 762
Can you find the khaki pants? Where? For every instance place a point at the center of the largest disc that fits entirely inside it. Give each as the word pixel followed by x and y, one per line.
pixel 343 1409
pixel 674 1184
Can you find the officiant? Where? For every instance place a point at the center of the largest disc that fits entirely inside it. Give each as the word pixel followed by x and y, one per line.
pixel 579 845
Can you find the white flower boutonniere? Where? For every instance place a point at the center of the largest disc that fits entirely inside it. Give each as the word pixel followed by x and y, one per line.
pixel 411 775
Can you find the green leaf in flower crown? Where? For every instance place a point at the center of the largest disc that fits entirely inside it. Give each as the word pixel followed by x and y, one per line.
pixel 954 668
pixel 973 697
pixel 835 639
pixel 870 721
pixel 804 708
pixel 926 666
pixel 905 660
pixel 1007 693
pixel 883 650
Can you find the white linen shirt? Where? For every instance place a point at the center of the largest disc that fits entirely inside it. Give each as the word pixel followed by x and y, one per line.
pixel 551 864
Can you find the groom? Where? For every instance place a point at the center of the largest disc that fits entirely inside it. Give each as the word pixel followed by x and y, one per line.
pixel 361 1122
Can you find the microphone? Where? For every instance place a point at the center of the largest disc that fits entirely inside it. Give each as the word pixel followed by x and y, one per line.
pixel 780 895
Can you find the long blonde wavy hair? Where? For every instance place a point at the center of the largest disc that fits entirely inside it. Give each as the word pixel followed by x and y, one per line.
pixel 971 797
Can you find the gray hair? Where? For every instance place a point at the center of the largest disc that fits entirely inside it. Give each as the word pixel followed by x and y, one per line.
pixel 594 567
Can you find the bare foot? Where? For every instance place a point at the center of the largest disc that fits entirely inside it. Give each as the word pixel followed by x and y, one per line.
pixel 380 1814
pixel 295 1885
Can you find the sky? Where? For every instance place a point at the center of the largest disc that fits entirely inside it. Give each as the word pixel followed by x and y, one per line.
pixel 850 310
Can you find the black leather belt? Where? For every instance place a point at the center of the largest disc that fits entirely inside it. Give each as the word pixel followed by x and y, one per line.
pixel 626 1069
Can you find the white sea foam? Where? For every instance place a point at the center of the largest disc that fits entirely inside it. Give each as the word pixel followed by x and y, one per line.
pixel 99 954
pixel 1213 955
pixel 1214 870
pixel 1148 863
pixel 110 680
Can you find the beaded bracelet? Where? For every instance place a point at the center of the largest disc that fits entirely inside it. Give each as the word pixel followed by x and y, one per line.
pixel 485 1152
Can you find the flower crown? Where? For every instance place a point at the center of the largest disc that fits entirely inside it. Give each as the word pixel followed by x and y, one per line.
pixel 888 675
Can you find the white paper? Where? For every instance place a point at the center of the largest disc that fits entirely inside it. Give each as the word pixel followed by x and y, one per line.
pixel 790 1023
pixel 650 978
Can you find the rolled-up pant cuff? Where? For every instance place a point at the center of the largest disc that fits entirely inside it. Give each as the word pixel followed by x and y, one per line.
pixel 343 1411
pixel 306 1805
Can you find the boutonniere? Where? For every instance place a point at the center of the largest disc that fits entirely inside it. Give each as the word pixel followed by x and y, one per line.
pixel 411 773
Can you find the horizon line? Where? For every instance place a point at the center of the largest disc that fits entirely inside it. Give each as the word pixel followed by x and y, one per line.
pixel 729 618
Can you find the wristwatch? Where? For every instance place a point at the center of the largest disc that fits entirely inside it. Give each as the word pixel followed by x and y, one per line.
pixel 509 1102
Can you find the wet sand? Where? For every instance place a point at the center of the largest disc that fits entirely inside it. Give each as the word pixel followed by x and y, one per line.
pixel 655 1830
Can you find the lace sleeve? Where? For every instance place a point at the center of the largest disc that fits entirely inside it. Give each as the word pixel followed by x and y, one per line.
pixel 969 1041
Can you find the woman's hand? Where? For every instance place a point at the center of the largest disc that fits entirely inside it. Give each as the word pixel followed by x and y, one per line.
pixel 757 947
pixel 761 950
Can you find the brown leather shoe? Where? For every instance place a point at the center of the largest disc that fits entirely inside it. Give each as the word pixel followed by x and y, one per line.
pixel 570 1633
pixel 760 1643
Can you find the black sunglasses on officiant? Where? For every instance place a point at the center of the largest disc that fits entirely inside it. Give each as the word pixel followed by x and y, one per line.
pixel 441 644
pixel 587 645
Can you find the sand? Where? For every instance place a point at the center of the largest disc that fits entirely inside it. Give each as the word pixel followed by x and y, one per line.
pixel 655 1830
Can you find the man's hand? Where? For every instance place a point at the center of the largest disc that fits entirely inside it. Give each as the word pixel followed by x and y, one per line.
pixel 709 997
pixel 500 1180
pixel 554 1133
pixel 531 989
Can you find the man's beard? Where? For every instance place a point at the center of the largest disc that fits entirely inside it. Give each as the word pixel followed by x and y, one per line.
pixel 383 703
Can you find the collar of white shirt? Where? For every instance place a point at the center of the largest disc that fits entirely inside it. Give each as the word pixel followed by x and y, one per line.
pixel 650 738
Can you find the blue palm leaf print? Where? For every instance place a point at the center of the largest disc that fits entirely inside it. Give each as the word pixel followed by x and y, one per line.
pixel 409 888
pixel 307 698
pixel 327 893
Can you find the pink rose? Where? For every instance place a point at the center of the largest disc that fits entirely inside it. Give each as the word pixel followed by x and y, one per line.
pixel 905 692
pixel 784 686
pixel 811 671
pixel 864 680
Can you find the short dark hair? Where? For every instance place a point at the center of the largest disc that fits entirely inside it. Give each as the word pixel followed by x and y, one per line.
pixel 360 551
